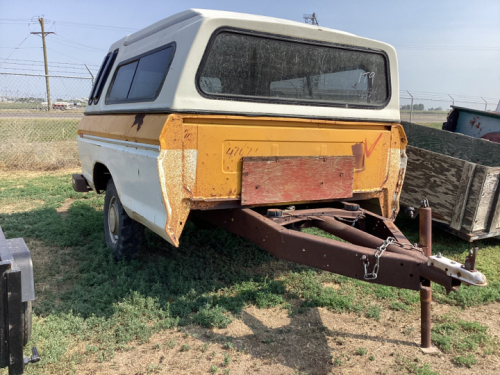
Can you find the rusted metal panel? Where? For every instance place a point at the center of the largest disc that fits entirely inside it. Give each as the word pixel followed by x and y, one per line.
pixel 296 179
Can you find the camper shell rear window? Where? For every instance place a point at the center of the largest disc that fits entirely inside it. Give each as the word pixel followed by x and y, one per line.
pixel 141 78
pixel 251 66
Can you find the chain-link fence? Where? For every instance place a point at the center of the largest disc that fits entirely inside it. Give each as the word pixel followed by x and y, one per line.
pixel 32 135
pixel 432 108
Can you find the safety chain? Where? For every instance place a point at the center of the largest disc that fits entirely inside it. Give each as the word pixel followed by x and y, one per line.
pixel 380 250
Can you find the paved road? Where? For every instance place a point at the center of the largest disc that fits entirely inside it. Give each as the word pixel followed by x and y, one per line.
pixel 47 115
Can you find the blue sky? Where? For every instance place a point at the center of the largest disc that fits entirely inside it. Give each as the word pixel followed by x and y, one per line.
pixel 443 46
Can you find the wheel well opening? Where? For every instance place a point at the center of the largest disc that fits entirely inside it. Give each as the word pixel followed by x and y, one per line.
pixel 101 177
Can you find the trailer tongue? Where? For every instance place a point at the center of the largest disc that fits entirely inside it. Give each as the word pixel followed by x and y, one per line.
pixel 376 251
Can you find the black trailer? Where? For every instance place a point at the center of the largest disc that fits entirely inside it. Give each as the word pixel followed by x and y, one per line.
pixel 17 291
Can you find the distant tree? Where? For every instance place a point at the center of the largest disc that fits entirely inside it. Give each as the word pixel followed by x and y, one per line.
pixel 416 107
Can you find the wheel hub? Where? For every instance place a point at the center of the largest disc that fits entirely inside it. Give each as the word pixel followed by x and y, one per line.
pixel 113 220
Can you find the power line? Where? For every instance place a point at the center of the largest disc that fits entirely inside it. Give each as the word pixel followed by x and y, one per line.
pixel 15 19
pixel 55 62
pixel 62 54
pixel 72 45
pixel 50 65
pixel 447 48
pixel 41 71
pixel 80 44
pixel 20 48
pixel 86 25
pixel 15 49
pixel 71 24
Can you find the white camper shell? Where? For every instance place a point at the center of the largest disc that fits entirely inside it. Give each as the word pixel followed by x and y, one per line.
pixel 190 35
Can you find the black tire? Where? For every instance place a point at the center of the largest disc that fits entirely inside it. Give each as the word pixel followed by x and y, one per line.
pixel 124 236
pixel 27 316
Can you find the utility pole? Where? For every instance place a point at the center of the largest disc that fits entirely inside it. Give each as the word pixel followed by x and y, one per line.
pixel 311 19
pixel 411 108
pixel 43 33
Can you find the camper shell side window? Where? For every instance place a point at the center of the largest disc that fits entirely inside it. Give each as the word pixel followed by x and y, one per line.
pixel 102 77
pixel 246 65
pixel 141 78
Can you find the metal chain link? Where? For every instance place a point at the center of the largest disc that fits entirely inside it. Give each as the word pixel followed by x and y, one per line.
pixel 349 221
pixel 378 254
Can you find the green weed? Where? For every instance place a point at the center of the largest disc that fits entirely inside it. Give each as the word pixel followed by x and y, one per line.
pixel 373 312
pixel 465 361
pixel 453 335
pixel 212 317
pixel 413 366
pixel 170 344
pixel 361 351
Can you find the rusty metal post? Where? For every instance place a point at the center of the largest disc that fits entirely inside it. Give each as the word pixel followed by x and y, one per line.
pixel 425 241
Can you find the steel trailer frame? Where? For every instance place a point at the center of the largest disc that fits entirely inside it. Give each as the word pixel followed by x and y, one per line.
pixel 376 251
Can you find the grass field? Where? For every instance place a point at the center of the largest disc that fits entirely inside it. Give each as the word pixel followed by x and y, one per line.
pixel 219 304
pixel 435 125
pixel 38 143
pixel 37 129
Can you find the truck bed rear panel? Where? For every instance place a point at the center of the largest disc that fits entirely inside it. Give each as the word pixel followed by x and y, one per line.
pixel 200 158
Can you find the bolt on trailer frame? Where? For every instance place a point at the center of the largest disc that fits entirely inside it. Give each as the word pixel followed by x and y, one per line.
pixel 376 251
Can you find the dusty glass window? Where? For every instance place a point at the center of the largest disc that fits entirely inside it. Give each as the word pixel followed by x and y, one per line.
pixel 140 79
pixel 240 65
pixel 122 82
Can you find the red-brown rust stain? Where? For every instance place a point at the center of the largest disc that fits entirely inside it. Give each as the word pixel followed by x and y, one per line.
pixel 475 122
pixel 369 150
pixel 493 137
pixel 179 187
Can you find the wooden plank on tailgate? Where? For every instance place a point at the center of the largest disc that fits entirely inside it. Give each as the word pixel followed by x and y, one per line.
pixel 281 179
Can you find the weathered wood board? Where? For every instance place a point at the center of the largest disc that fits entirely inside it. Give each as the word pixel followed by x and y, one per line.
pixel 474 150
pixel 435 177
pixel 296 179
pixel 459 175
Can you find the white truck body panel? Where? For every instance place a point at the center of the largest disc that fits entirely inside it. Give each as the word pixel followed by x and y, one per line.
pixel 134 167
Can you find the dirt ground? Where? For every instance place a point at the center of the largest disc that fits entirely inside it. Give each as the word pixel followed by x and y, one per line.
pixel 270 342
